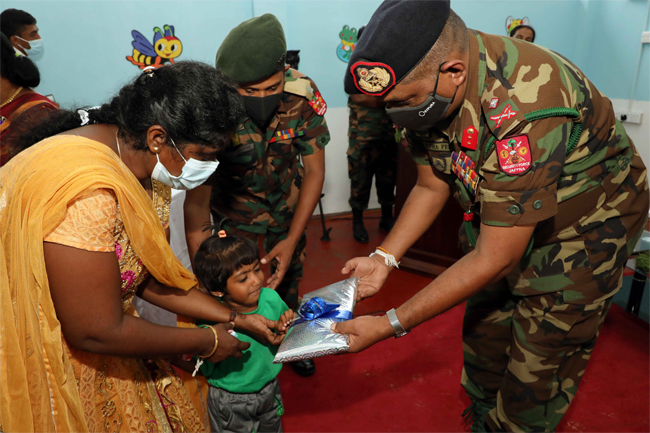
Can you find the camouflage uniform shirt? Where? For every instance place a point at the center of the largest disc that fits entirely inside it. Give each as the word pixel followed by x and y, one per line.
pixel 583 170
pixel 259 171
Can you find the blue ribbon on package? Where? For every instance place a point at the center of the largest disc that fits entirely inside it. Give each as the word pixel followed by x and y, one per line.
pixel 317 308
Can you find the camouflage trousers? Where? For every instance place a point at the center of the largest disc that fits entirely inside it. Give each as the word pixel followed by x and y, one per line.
pixel 372 151
pixel 524 357
pixel 288 288
pixel 368 158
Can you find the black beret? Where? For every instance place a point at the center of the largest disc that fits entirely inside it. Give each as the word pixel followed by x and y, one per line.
pixel 253 50
pixel 397 38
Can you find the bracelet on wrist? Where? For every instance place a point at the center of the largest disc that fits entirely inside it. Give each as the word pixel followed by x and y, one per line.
pixel 389 259
pixel 233 315
pixel 216 341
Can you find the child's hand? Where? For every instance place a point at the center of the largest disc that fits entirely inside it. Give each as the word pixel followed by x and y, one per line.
pixel 285 321
pixel 183 364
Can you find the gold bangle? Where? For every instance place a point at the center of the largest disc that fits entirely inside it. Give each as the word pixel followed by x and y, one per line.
pixel 216 341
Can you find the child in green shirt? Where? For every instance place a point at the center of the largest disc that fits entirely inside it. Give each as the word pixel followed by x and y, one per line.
pixel 244 393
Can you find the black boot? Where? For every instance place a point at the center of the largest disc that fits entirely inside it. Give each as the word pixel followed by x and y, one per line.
pixel 386 222
pixel 358 230
pixel 304 368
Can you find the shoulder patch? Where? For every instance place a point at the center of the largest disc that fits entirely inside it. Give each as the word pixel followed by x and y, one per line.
pixel 502 115
pixel 514 155
pixel 318 104
pixel 303 87
pixel 299 86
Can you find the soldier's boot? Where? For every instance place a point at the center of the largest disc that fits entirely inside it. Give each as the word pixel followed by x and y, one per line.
pixel 358 230
pixel 386 222
pixel 304 367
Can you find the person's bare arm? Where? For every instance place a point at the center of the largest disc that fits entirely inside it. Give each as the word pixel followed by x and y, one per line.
pixel 424 203
pixel 498 252
pixel 196 210
pixel 310 191
pixel 198 305
pixel 85 289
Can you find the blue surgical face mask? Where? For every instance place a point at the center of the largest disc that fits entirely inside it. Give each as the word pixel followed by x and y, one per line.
pixel 194 172
pixel 35 51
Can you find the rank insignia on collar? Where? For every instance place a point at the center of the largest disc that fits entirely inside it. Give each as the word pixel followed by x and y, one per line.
pixel 470 138
pixel 463 167
pixel 494 102
pixel 318 104
pixel 373 78
pixel 286 134
pixel 514 155
pixel 507 113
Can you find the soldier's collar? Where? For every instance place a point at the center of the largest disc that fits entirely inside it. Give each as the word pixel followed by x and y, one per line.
pixel 469 113
pixel 284 103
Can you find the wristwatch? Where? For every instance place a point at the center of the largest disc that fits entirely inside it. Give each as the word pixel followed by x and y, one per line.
pixel 394 322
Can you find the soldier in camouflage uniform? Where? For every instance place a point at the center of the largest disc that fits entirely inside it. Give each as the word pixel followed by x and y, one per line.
pixel 372 151
pixel 260 186
pixel 555 197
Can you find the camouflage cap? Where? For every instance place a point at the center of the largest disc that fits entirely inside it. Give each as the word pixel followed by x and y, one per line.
pixel 253 50
pixel 395 40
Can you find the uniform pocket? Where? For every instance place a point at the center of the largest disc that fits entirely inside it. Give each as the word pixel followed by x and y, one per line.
pixel 281 147
pixel 551 268
pixel 238 161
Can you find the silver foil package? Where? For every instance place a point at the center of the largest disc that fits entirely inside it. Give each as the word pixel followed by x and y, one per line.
pixel 314 338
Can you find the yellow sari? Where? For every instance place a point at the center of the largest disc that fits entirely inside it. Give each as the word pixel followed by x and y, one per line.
pixel 45 385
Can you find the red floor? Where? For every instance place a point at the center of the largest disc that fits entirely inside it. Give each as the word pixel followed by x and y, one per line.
pixel 413 383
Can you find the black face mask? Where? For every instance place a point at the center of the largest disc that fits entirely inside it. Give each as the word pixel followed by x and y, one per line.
pixel 424 116
pixel 262 109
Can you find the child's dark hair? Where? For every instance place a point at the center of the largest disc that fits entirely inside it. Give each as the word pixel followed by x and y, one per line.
pixel 218 258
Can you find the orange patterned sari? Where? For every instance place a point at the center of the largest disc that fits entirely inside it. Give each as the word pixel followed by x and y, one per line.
pixel 76 192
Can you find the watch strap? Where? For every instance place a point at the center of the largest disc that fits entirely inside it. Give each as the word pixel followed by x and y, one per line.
pixel 395 323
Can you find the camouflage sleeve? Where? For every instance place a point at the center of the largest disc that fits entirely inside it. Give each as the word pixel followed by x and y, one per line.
pixel 317 134
pixel 530 197
pixel 416 148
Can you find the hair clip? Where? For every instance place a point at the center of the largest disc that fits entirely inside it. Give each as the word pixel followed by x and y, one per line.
pixel 222 233
pixel 149 70
pixel 83 115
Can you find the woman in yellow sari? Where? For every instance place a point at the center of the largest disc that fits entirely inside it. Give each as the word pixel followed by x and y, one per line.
pixel 82 218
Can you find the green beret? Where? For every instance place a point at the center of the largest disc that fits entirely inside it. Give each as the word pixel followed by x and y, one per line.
pixel 253 50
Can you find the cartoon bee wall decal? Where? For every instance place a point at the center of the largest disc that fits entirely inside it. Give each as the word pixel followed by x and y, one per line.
pixel 511 23
pixel 165 48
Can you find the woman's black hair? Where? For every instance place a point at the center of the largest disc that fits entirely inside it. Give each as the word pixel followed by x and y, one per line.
pixel 513 31
pixel 192 101
pixel 218 258
pixel 19 70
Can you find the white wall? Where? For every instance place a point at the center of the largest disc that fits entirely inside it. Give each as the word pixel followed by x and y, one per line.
pixel 337 183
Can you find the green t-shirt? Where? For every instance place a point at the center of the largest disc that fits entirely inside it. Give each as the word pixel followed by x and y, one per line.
pixel 255 369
